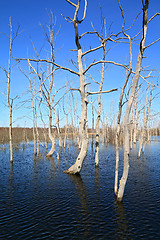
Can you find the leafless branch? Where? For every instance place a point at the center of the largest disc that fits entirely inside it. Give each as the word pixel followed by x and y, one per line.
pixel 87 33
pixel 156 14
pixel 112 90
pixel 73 4
pixel 92 50
pixel 152 43
pixel 75 89
pixel 48 61
pixel 101 61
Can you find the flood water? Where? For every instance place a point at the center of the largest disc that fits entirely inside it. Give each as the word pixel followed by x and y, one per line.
pixel 39 201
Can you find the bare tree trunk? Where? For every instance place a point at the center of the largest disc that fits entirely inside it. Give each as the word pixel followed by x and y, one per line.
pixel 76 168
pixel 77 123
pixel 145 121
pixel 57 125
pixel 66 126
pixel 49 154
pixel 135 122
pixel 10 102
pixel 8 98
pixel 129 105
pixel 131 130
pixel 144 126
pixel 66 131
pixel 33 113
pixel 99 111
pixel 44 130
pixel 10 133
pixel 120 109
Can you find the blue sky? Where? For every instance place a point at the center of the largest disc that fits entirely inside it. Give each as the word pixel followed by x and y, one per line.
pixel 29 14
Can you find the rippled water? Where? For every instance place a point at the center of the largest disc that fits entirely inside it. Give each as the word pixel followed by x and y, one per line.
pixel 39 201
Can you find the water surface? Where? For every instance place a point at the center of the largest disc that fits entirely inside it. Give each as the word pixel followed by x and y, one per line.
pixel 39 201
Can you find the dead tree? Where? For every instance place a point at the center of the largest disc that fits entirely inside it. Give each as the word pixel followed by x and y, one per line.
pixel 51 39
pixel 103 43
pixel 81 73
pixel 33 113
pixel 66 126
pixel 145 120
pixel 76 167
pixel 142 47
pixel 10 100
pixel 129 103
pixel 121 104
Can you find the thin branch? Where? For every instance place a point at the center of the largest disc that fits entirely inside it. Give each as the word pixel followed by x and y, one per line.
pixel 75 89
pixel 101 61
pixel 152 43
pixel 47 61
pixel 112 90
pixel 84 13
pixel 92 50
pixel 156 14
pixel 71 20
pixel 73 4
pixel 87 33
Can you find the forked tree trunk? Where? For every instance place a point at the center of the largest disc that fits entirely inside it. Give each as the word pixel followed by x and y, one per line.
pixel 76 168
pixel 129 105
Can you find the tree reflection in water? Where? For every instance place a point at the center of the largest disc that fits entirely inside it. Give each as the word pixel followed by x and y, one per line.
pixel 83 207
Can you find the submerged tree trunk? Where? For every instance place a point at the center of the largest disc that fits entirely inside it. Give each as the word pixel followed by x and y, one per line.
pixel 10 133
pixel 33 111
pixel 10 102
pixel 129 105
pixel 76 168
pixel 99 112
pixel 145 121
pixel 51 137
pixel 135 122
pixel 58 128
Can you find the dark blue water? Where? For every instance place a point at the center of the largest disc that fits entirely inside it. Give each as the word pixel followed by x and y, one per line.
pixel 39 201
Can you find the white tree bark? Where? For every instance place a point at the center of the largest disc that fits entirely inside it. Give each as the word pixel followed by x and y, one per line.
pixel 10 101
pixel 129 105
pixel 99 111
pixel 77 166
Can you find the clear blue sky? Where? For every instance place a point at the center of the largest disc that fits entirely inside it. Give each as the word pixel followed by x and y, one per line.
pixel 29 14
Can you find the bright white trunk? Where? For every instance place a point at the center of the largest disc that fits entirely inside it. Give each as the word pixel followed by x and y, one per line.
pixel 77 166
pixel 129 105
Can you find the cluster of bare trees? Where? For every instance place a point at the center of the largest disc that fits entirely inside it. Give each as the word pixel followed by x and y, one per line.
pixel 45 95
